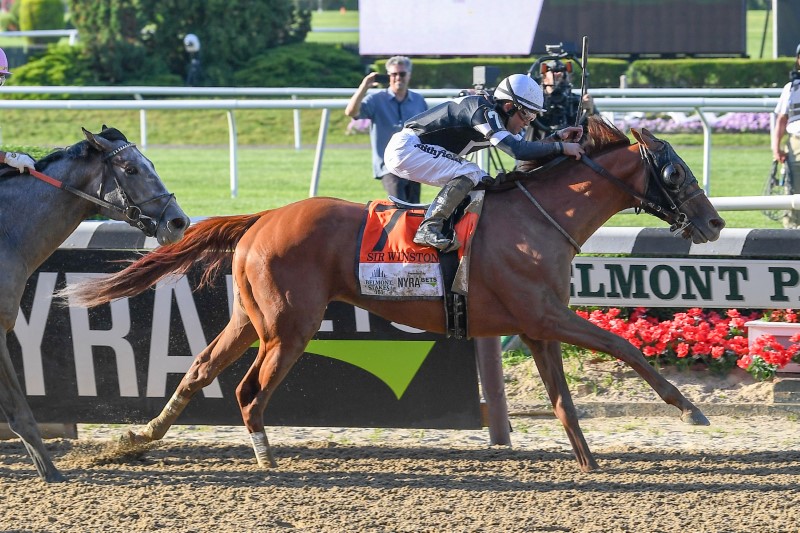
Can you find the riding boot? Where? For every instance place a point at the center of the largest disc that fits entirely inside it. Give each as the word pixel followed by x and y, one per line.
pixel 442 207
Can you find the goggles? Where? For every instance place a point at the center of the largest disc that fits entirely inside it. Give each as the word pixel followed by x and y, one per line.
pixel 526 114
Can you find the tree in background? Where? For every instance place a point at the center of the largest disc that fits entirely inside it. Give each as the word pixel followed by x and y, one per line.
pixel 110 32
pixel 135 39
pixel 41 15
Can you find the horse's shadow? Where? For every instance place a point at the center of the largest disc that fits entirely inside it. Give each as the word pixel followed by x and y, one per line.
pixel 350 467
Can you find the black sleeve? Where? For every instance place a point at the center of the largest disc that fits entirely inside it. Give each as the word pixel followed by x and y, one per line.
pixel 528 150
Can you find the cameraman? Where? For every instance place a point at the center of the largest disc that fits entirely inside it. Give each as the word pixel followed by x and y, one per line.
pixel 560 103
pixel 787 121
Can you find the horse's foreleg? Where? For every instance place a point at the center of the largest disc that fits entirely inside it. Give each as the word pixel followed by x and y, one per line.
pixel 575 330
pixel 229 346
pixel 547 355
pixel 20 417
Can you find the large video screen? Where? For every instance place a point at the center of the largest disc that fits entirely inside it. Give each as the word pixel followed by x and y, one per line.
pixel 512 27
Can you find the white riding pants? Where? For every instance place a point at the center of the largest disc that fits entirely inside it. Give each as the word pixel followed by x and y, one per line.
pixel 408 158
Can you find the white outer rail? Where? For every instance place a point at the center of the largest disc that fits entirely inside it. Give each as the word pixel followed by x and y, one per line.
pixel 750 203
pixel 72 34
pixel 733 101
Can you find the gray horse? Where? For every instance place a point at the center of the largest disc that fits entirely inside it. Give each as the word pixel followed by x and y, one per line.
pixel 104 174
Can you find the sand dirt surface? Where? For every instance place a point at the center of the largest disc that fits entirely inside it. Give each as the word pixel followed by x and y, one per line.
pixel 742 473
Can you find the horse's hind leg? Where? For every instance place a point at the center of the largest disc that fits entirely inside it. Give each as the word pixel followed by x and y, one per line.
pixel 547 355
pixel 229 346
pixel 20 418
pixel 283 341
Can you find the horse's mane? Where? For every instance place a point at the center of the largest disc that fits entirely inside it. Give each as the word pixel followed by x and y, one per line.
pixel 600 136
pixel 79 149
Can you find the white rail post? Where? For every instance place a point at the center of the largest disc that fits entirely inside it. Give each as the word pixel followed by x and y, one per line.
pixel 706 151
pixel 142 125
pixel 297 128
pixel 323 133
pixel 232 142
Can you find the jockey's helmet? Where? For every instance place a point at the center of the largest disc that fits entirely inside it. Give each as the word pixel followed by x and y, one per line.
pixel 522 90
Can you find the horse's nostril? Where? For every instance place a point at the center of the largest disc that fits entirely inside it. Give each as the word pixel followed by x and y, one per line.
pixel 179 223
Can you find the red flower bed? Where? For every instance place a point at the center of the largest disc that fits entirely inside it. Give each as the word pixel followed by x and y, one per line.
pixel 702 337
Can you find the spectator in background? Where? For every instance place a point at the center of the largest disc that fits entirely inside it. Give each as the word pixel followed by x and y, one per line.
pixel 388 110
pixel 18 161
pixel 787 121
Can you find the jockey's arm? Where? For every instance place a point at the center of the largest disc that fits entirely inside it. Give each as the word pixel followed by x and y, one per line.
pixel 523 150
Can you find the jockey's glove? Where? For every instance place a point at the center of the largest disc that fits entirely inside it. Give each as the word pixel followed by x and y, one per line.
pixel 19 161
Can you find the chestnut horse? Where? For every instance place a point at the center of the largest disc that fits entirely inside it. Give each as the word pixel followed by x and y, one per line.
pixel 289 263
pixel 102 174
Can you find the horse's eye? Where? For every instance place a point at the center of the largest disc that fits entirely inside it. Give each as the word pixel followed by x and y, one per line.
pixel 673 176
pixel 131 170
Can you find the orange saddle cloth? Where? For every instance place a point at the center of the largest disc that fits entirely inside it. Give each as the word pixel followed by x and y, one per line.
pixel 390 265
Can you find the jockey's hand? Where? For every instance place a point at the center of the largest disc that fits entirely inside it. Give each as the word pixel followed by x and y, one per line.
pixel 570 134
pixel 572 149
pixel 19 161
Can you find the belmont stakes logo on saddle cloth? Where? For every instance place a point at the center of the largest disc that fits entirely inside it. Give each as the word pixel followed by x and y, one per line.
pixel 391 265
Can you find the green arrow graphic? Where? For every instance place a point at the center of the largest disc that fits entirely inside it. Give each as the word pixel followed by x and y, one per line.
pixel 393 362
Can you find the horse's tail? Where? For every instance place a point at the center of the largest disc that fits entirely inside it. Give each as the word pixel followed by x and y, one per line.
pixel 210 242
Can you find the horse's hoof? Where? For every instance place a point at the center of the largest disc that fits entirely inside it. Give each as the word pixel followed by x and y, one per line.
pixel 132 440
pixel 267 464
pixel 54 477
pixel 590 467
pixel 695 418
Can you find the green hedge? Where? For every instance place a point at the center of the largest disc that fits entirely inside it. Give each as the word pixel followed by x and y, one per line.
pixel 726 72
pixel 603 72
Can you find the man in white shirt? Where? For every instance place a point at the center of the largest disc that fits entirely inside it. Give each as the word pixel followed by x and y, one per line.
pixel 787 121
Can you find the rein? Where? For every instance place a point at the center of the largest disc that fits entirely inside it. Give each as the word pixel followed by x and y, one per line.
pixel 527 193
pixel 674 216
pixel 131 212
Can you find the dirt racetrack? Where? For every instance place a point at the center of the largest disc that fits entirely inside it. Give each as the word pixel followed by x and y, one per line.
pixel 658 475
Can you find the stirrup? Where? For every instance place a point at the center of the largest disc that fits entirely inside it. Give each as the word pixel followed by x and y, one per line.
pixel 436 240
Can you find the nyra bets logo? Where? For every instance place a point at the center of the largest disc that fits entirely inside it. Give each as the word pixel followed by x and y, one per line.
pixel 400 280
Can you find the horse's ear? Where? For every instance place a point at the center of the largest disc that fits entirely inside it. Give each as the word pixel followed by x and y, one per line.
pixel 104 127
pixel 642 136
pixel 646 138
pixel 99 143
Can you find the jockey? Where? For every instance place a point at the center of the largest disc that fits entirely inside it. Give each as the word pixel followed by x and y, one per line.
pixel 430 147
pixel 18 161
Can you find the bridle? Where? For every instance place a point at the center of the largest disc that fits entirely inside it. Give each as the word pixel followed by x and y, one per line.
pixel 132 212
pixel 670 183
pixel 671 186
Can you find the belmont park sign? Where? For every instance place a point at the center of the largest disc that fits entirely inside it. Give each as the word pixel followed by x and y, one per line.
pixel 685 282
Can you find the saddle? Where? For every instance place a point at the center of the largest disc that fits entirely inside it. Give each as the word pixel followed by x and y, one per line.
pixel 392 266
